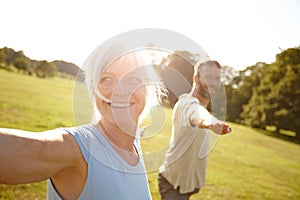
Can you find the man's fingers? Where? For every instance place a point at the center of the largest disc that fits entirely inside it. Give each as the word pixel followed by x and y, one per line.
pixel 226 129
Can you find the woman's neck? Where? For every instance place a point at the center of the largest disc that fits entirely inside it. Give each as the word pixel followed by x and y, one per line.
pixel 116 136
pixel 121 142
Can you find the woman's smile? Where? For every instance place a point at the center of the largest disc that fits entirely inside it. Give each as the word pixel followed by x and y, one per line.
pixel 120 105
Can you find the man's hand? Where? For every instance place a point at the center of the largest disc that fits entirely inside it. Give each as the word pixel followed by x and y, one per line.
pixel 220 128
pixel 204 119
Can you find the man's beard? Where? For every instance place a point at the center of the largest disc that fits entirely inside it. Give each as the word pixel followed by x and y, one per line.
pixel 205 93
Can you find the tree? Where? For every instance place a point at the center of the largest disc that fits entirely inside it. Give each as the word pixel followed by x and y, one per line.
pixel 275 99
pixel 177 71
pixel 2 56
pixel 3 64
pixel 240 91
pixel 22 64
pixel 288 90
pixel 230 79
pixel 45 69
pixel 229 75
pixel 11 55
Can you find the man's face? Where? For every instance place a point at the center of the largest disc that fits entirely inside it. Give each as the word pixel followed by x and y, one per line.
pixel 208 80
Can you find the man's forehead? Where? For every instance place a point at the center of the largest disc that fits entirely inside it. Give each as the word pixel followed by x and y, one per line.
pixel 209 68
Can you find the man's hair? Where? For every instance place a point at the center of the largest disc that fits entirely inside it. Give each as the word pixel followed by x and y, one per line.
pixel 200 65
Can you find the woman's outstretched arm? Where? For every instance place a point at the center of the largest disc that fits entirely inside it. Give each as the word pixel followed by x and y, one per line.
pixel 28 157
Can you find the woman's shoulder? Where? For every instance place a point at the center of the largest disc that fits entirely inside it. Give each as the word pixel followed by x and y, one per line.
pixel 84 130
pixel 83 133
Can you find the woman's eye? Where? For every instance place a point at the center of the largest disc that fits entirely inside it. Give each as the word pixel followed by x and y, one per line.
pixel 135 80
pixel 107 80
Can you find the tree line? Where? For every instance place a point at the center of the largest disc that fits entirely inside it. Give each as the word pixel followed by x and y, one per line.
pixel 259 96
pixel 12 60
pixel 267 94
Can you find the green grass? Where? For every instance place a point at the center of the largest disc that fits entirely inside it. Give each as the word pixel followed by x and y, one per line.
pixel 247 164
pixel 35 104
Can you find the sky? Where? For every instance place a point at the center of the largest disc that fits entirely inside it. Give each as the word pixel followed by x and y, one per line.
pixel 237 33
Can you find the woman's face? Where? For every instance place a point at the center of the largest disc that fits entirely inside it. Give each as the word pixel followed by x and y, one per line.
pixel 123 83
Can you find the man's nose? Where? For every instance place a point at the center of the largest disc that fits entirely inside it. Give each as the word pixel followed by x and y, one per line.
pixel 217 83
pixel 213 83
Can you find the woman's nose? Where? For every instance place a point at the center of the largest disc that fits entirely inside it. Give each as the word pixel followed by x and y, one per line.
pixel 122 88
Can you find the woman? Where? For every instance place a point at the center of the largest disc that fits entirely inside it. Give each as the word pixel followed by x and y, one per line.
pixel 101 160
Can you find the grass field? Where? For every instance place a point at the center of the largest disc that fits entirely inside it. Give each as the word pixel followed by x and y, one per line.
pixel 246 164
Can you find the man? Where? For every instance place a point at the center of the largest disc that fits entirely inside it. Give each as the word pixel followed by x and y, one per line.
pixel 183 172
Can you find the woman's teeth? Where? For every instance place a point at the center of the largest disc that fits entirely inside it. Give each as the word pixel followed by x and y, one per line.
pixel 120 105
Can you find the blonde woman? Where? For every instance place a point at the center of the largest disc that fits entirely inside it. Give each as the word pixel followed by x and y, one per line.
pixel 100 160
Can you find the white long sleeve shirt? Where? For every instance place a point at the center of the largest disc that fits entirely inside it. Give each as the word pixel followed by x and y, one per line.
pixel 186 158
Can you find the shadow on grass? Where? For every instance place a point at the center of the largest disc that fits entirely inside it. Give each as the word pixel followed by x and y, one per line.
pixel 279 135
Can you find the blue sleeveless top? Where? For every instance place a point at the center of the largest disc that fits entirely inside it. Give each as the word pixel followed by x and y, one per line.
pixel 109 176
